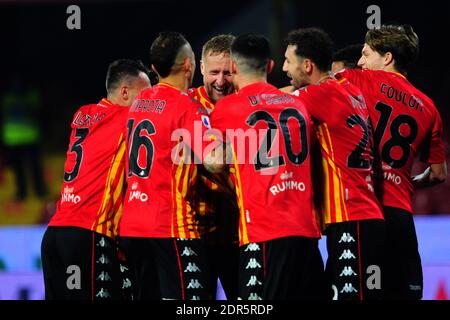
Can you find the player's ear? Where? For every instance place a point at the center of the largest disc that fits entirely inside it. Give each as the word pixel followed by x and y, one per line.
pixel 233 67
pixel 125 92
pixel 270 66
pixel 202 67
pixel 307 65
pixel 388 58
pixel 187 64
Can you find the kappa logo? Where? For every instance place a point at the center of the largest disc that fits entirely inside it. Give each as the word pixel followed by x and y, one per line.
pixel 346 255
pixel 254 296
pixel 103 293
pixel 348 288
pixel 103 259
pixel 253 264
pixel 252 247
pixel 126 283
pixel 348 271
pixel 253 282
pixel 194 284
pixel 195 298
pixel 192 267
pixel 102 243
pixel 104 276
pixel 188 252
pixel 123 268
pixel 346 237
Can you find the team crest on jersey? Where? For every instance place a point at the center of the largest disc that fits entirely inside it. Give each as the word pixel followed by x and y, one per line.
pixel 205 121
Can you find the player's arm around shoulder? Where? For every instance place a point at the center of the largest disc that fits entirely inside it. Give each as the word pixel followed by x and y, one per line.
pixel 215 160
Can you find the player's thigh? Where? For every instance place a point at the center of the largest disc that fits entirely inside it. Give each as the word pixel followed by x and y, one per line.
pixel 140 258
pixel 67 254
pixel 294 269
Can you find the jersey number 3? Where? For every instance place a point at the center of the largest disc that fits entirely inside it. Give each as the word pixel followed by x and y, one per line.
pixel 81 134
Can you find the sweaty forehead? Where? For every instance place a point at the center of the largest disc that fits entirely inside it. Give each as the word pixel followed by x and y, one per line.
pixel 217 59
pixel 211 55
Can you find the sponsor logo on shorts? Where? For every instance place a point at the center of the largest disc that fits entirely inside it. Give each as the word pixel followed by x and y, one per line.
pixel 253 281
pixel 194 284
pixel 346 237
pixel 346 255
pixel 188 252
pixel 252 247
pixel 348 288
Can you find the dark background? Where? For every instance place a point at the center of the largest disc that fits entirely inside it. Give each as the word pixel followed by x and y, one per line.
pixel 69 66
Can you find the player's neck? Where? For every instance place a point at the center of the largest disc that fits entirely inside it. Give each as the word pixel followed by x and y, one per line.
pixel 116 100
pixel 176 80
pixel 243 81
pixel 320 77
pixel 392 69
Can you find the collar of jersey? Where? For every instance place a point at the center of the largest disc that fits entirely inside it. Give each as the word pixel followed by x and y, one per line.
pixel 105 102
pixel 251 87
pixel 204 94
pixel 165 84
pixel 398 74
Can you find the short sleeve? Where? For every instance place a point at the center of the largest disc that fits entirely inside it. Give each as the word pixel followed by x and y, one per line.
pixel 433 149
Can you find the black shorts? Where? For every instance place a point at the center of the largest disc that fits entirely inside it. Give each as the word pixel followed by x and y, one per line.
pixel 223 260
pixel 355 259
pixel 80 264
pixel 168 268
pixel 404 279
pixel 289 268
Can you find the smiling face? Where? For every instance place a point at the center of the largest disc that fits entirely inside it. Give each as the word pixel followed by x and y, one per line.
pixel 217 77
pixel 294 67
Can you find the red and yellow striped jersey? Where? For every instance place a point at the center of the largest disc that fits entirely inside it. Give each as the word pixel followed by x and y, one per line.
pixel 406 124
pixel 92 190
pixel 160 171
pixel 345 137
pixel 214 202
pixel 270 135
pixel 201 96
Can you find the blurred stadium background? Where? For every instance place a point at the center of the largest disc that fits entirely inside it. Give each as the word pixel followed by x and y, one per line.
pixel 53 70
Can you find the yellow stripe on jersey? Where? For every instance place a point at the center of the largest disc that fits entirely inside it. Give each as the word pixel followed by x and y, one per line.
pixel 205 100
pixel 329 140
pixel 333 197
pixel 115 215
pixel 106 211
pixel 243 234
pixel 326 198
pixel 178 201
pixel 339 196
pixel 184 191
pixel 325 168
pixel 344 205
pixel 117 198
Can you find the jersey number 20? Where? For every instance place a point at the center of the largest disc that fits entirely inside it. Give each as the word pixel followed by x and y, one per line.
pixel 262 160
